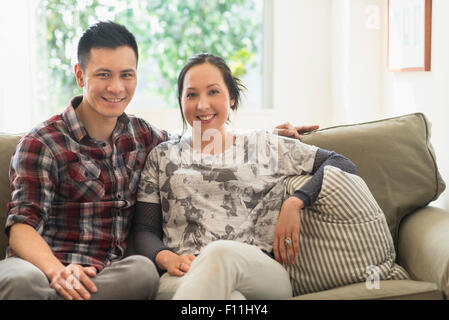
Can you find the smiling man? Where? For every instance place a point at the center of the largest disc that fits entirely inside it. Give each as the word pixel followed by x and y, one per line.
pixel 109 79
pixel 73 183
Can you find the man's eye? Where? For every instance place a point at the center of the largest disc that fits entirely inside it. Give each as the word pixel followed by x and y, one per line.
pixel 102 75
pixel 127 75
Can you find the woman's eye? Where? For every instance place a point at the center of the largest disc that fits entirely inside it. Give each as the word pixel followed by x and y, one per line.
pixel 190 95
pixel 213 92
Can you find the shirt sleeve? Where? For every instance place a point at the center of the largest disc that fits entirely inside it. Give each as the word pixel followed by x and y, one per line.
pixel 309 191
pixel 147 231
pixel 33 173
pixel 157 135
pixel 148 190
pixel 293 156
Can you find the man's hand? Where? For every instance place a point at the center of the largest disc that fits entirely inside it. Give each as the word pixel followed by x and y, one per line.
pixel 288 130
pixel 288 227
pixel 174 264
pixel 73 283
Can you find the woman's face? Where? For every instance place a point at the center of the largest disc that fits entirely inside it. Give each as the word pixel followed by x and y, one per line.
pixel 205 98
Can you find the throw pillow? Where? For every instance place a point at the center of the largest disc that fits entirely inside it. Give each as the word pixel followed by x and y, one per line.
pixel 344 236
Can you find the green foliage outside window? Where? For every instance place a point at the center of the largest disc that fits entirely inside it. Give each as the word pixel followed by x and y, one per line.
pixel 167 32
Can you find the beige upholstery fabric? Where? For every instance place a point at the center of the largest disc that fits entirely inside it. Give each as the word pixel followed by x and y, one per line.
pixel 388 289
pixel 7 146
pixel 424 246
pixel 394 157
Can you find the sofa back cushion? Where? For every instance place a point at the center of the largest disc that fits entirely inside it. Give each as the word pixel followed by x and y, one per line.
pixel 8 145
pixel 395 159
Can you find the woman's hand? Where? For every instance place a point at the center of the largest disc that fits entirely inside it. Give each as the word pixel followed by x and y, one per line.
pixel 174 264
pixel 288 228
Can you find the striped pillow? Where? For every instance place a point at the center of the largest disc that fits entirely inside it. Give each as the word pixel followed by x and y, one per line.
pixel 344 236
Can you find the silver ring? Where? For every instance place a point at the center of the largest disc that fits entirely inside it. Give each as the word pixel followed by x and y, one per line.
pixel 288 241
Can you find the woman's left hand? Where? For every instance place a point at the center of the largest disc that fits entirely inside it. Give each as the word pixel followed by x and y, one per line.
pixel 288 228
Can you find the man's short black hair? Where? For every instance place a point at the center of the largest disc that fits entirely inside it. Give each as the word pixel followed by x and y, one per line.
pixel 104 34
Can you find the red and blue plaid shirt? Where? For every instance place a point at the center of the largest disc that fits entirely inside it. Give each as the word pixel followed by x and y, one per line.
pixel 77 192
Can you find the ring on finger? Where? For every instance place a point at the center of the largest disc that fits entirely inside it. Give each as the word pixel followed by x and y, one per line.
pixel 288 241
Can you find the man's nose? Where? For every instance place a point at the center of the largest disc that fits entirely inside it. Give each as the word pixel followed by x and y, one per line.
pixel 115 85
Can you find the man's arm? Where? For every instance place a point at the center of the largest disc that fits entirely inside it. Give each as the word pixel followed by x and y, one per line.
pixel 288 130
pixel 70 282
pixel 33 179
pixel 30 246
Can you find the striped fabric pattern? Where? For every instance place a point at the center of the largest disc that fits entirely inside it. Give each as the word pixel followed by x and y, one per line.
pixel 344 236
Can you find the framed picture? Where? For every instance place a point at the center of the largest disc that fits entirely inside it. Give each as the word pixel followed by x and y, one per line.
pixel 409 30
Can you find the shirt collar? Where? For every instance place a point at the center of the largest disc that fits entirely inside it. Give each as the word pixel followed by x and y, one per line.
pixel 76 127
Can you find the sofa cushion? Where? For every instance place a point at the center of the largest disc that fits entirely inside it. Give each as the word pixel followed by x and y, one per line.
pixel 8 145
pixel 391 290
pixel 344 237
pixel 395 158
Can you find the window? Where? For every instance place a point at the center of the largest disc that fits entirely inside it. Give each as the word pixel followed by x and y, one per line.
pixel 168 32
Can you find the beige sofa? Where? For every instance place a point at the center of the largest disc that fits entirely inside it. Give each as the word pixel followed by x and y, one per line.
pixel 395 158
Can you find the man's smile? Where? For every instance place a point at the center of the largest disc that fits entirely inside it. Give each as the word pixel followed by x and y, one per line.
pixel 113 100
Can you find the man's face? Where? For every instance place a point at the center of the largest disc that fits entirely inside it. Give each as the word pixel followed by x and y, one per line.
pixel 108 81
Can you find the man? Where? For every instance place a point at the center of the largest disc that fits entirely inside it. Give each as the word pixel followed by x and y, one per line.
pixel 74 183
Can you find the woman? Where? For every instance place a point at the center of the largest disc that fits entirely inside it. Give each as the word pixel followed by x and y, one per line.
pixel 211 209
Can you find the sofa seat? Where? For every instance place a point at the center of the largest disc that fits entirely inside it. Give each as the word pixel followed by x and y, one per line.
pixel 388 289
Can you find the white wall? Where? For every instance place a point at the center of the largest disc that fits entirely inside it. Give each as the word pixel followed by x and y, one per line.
pixel 301 81
pixel 330 68
pixel 18 106
pixel 427 92
pixel 357 37
pixel 301 66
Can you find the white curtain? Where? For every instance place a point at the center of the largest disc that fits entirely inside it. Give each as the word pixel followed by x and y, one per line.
pixel 18 92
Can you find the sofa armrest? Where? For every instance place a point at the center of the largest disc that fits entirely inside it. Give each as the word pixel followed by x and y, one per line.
pixel 423 246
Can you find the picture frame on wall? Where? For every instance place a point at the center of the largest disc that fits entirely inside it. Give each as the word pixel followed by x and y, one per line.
pixel 409 35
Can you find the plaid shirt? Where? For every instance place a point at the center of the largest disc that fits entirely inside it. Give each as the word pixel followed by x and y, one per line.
pixel 77 192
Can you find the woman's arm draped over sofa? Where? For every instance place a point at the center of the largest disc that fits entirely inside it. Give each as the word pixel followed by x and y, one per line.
pixel 309 192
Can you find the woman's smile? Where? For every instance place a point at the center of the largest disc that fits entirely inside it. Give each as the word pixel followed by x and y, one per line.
pixel 205 119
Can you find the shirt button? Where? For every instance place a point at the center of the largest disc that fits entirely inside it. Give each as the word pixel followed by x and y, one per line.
pixel 119 196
